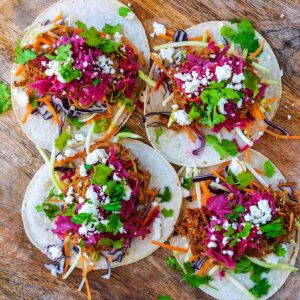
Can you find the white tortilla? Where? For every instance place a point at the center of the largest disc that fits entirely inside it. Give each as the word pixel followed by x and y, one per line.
pixel 276 277
pixel 94 13
pixel 38 226
pixel 176 147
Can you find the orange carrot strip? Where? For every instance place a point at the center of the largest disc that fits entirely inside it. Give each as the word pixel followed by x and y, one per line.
pixel 258 50
pixel 20 71
pixel 170 247
pixel 84 274
pixel 151 192
pixel 206 193
pixel 270 100
pixel 194 197
pixel 159 63
pixel 51 108
pixel 206 266
pixel 259 171
pixel 279 136
pixel 256 113
pixel 98 117
pixel 110 134
pixel 222 166
pixel 45 40
pixel 209 36
pixel 196 38
pixel 36 44
pixel 257 185
pixel 194 257
pixel 135 49
pixel 51 38
pixel 58 18
pixel 166 37
pixel 68 159
pixel 29 110
pixel 217 175
pixel 170 32
pixel 67 254
pixel 189 133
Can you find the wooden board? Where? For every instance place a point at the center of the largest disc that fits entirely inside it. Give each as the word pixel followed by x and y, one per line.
pixel 22 274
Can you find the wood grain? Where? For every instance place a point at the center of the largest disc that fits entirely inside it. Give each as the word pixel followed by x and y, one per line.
pixel 22 274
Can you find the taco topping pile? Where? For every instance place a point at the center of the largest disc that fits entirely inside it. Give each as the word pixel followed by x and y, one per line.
pixel 77 70
pixel 106 204
pixel 243 225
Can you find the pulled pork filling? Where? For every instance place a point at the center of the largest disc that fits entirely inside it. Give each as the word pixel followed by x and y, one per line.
pixel 238 223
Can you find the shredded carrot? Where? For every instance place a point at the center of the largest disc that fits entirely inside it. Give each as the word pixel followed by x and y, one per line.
pixel 98 117
pixel 222 166
pixel 170 247
pixel 29 110
pixel 194 257
pixel 256 113
pixel 270 100
pixel 135 49
pixel 107 105
pixel 84 274
pixel 110 134
pixel 196 38
pixel 170 32
pixel 54 200
pixel 150 215
pixel 67 253
pixel 249 190
pixel 51 38
pixel 205 268
pixel 51 108
pixel 189 132
pixel 209 36
pixel 194 197
pixel 166 37
pixel 44 40
pixel 151 192
pixel 58 18
pixel 206 193
pixel 76 30
pixel 69 159
pixel 217 175
pixel 258 50
pixel 279 136
pixel 36 44
pixel 259 171
pixel 19 71
pixel 159 63
pixel 110 258
pixel 257 185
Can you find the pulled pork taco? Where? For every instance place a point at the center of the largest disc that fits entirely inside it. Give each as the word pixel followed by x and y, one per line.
pixel 103 209
pixel 238 234
pixel 78 63
pixel 215 85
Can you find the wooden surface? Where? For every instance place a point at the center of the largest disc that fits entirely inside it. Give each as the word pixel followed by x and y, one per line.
pixel 22 274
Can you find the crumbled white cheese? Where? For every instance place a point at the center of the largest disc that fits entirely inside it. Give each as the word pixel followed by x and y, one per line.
pixel 157 223
pixel 128 192
pixel 53 69
pixel 95 156
pixel 189 172
pixel 91 195
pixel 225 240
pixel 240 103
pixel 175 107
pixel 59 157
pixel 118 37
pixel 226 225
pixel 69 152
pixel 223 73
pixel 82 170
pixel 105 64
pixel 122 230
pixel 55 252
pixel 260 214
pixel 221 105
pixel 183 77
pixel 158 29
pixel 213 238
pixel 167 54
pixel 228 252
pixel 116 177
pixel 89 208
pixel 237 78
pixel 81 200
pixel 182 118
pixel 211 245
pixel 236 166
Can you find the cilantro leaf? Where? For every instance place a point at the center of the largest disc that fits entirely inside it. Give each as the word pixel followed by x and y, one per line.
pixel 159 132
pixel 51 210
pixel 237 210
pixel 23 56
pixel 5 100
pixel 244 36
pixel 261 288
pixel 165 196
pixel 76 123
pixel 244 265
pixel 172 262
pixel 96 82
pixel 101 173
pixel 110 29
pixel 187 182
pixel 70 211
pixel 115 191
pixel 109 46
pixel 116 206
pixel 100 126
pixel 82 218
pixel 280 250
pixel 33 102
pixel 68 73
pixel 124 11
pixel 127 102
pixel 257 272
pixel 251 82
pixel 167 213
pixel 164 297
pixel 61 141
pixel 92 36
pixel 269 169
pixel 111 243
pixel 63 52
pixel 114 224
pixel 246 231
pixel 224 148
pixel 244 179
pixel 194 113
pixel 53 194
pixel 273 229
pixel 229 93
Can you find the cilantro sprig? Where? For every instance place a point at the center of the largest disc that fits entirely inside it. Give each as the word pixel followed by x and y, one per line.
pixel 159 132
pixel 63 52
pixel 269 169
pixel 273 229
pixel 242 180
pixel 61 141
pixel 101 173
pixel 5 99
pixel 165 196
pixel 23 56
pixel 224 148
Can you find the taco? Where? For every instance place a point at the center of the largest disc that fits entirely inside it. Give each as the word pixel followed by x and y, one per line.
pixel 102 210
pixel 212 86
pixel 240 237
pixel 78 67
